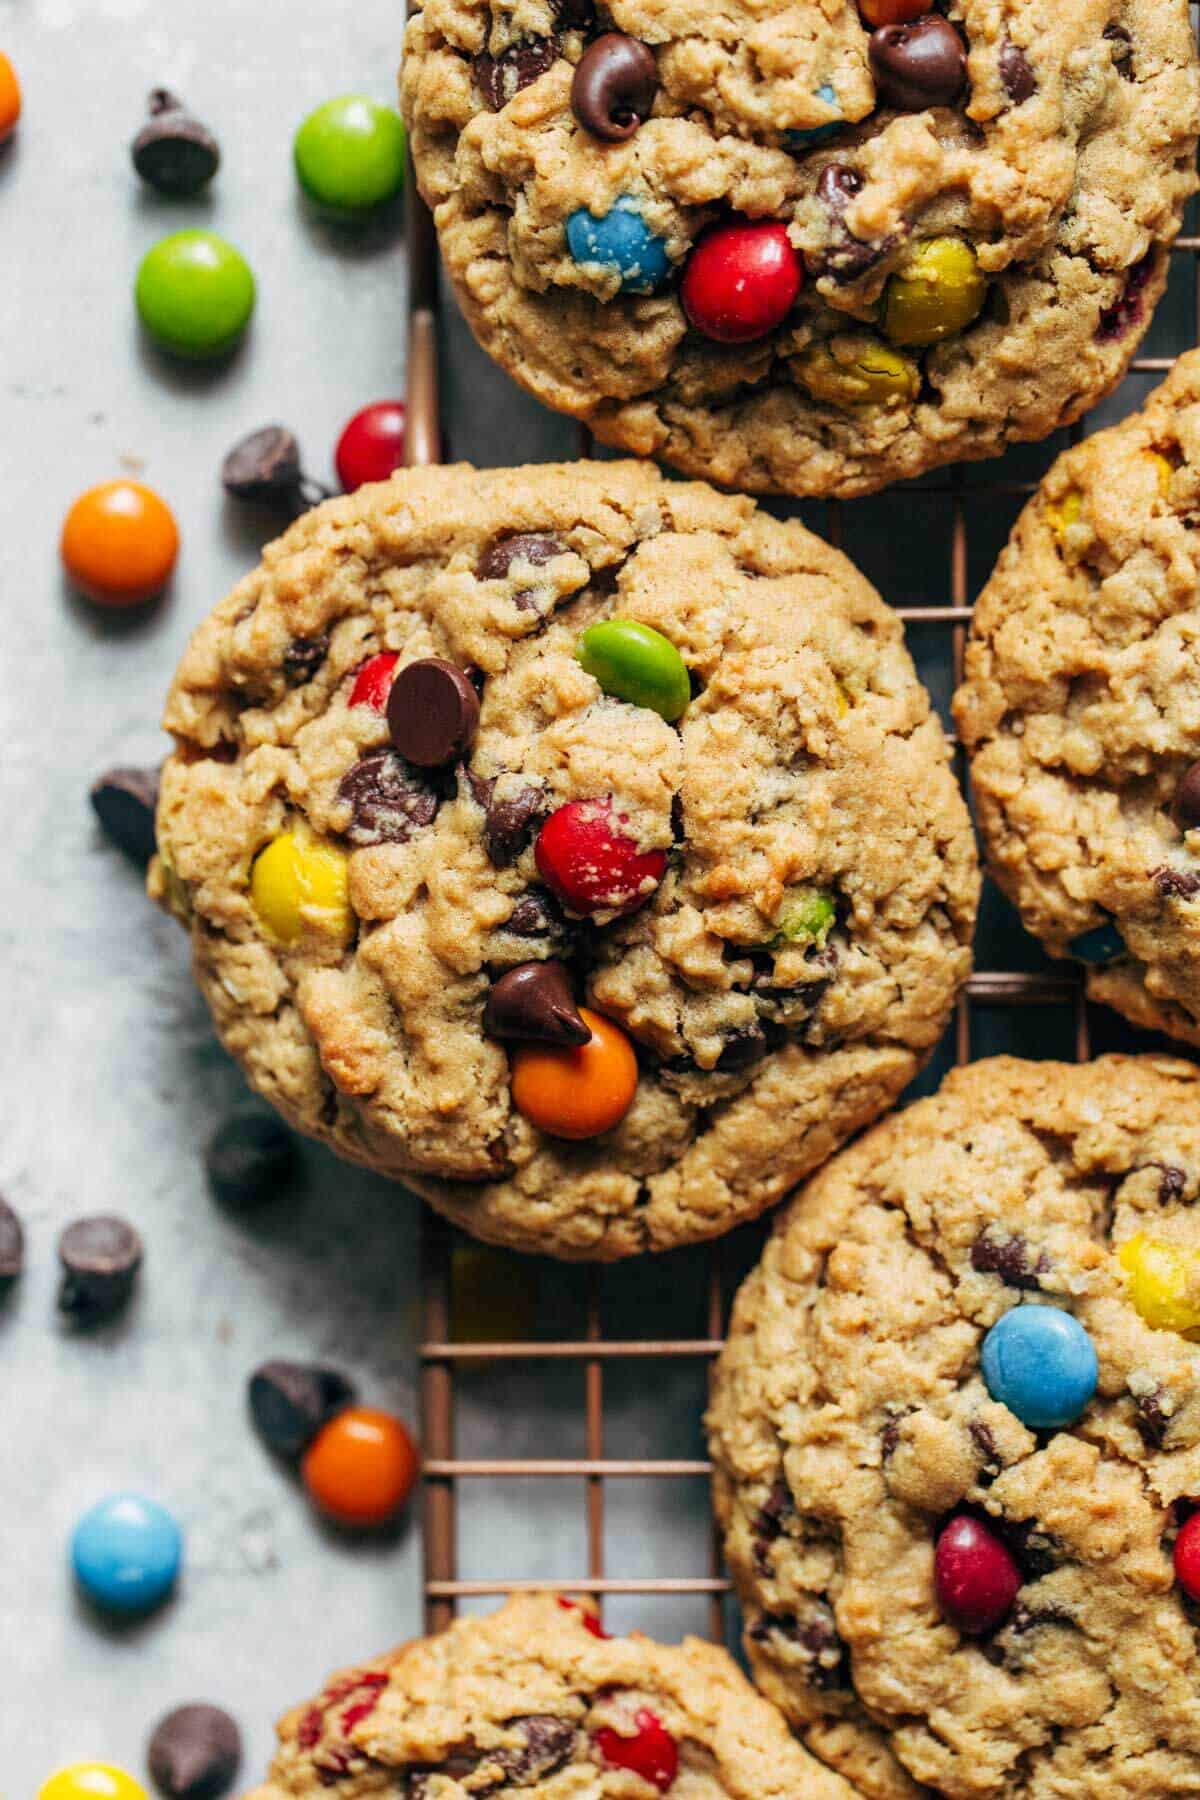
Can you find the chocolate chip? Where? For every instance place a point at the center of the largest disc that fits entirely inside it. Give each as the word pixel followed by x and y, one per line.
pixel 388 800
pixel 1187 799
pixel 1120 45
pixel 1008 1257
pixel 195 1753
pixel 536 914
pixel 1129 310
pixel 845 257
pixel 614 86
pixel 745 1048
pixel 303 657
pixel 249 1157
pixel 989 1455
pixel 498 78
pixel 289 1403
pixel 432 712
pixel 12 1247
pixel 1025 1618
pixel 1037 1551
pixel 101 1257
pixel 510 825
pixel 1173 1183
pixel 574 15
pixel 125 802
pixel 1152 1419
pixel 919 64
pixel 174 152
pixel 535 1003
pixel 1020 83
pixel 769 1523
pixel 827 1660
pixel 548 1743
pixel 264 469
pixel 1176 884
pixel 534 547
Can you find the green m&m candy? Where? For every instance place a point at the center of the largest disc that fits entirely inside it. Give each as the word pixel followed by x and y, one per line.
pixel 636 663
pixel 807 915
pixel 349 155
pixel 195 295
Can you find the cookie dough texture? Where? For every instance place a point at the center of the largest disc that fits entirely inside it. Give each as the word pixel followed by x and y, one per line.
pixel 849 1417
pixel 809 760
pixel 1081 707
pixel 512 1704
pixel 1069 198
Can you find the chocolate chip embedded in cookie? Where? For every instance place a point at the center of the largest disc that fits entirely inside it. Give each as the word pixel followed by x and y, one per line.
pixel 537 1700
pixel 640 222
pixel 955 1429
pixel 1081 711
pixel 609 873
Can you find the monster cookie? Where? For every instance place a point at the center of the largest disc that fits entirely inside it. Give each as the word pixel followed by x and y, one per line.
pixel 576 845
pixel 807 246
pixel 1081 711
pixel 539 1700
pixel 957 1436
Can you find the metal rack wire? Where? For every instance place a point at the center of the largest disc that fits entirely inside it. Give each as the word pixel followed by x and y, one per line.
pixel 445 1362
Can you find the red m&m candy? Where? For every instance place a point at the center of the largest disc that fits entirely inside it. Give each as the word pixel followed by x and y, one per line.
pixel 976 1576
pixel 590 864
pixel 652 1753
pixel 371 448
pixel 373 683
pixel 741 281
pixel 1187 1557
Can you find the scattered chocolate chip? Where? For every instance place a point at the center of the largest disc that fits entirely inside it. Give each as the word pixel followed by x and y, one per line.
pixel 920 64
pixel 125 802
pixel 174 152
pixel 289 1403
pixel 264 468
pixel 303 657
pixel 388 800
pixel 101 1257
pixel 1120 45
pixel 510 825
pixel 498 78
pixel 1176 884
pixel 533 547
pixel 432 712
pixel 195 1753
pixel 614 86
pixel 1187 799
pixel 1020 83
pixel 536 914
pixel 249 1157
pixel 12 1247
pixel 993 1253
pixel 1129 310
pixel 535 1003
pixel 1152 1419
pixel 845 257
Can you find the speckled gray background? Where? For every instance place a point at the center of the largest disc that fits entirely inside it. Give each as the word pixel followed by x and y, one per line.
pixel 112 1080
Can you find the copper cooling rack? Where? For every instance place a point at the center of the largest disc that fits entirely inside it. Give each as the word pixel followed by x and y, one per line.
pixel 1056 1015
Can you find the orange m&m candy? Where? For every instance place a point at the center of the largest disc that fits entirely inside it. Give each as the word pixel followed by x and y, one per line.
pixel 10 99
pixel 577 1092
pixel 360 1468
pixel 120 543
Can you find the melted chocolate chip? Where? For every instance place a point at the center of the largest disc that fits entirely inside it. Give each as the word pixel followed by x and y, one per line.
pixel 1020 83
pixel 1009 1258
pixel 534 547
pixel 498 78
pixel 1176 884
pixel 303 657
pixel 1151 1418
pixel 614 86
pixel 984 1442
pixel 536 914
pixel 769 1523
pixel 1187 799
pixel 389 801
pixel 535 1003
pixel 845 257
pixel 827 1661
pixel 919 64
pixel 1129 310
pixel 548 1743
pixel 510 825
pixel 1120 45
pixel 1037 1551
pixel 1173 1183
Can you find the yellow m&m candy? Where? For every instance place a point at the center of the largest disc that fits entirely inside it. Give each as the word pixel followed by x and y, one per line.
pixel 1164 1284
pixel 92 1781
pixel 300 884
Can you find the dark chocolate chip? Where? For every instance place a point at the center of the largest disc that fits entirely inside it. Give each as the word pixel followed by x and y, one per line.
pixel 388 800
pixel 745 1048
pixel 1151 1418
pixel 533 547
pixel 1127 312
pixel 1037 1551
pixel 12 1247
pixel 536 914
pixel 614 86
pixel 919 64
pixel 1025 1618
pixel 303 657
pixel 1120 45
pixel 1020 83
pixel 264 469
pixel 101 1257
pixel 770 1523
pixel 574 15
pixel 1176 884
pixel 289 1403
pixel 510 825
pixel 1187 799
pixel 535 1002
pixel 174 152
pixel 1172 1184
pixel 249 1158
pixel 1009 1258
pixel 125 802
pixel 432 712
pixel 826 1658
pixel 548 1743
pixel 989 1455
pixel 195 1753
pixel 498 78
pixel 845 257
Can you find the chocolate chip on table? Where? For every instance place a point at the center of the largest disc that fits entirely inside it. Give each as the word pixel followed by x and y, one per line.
pixel 101 1257
pixel 264 468
pixel 918 65
pixel 614 86
pixel 174 152
pixel 12 1247
pixel 303 657
pixel 388 800
pixel 195 1753
pixel 1020 83
pixel 1186 805
pixel 432 712
pixel 535 1003
pixel 290 1402
pixel 249 1158
pixel 125 802
pixel 498 78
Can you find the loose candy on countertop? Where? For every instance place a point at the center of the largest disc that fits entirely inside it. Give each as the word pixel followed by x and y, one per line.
pixel 620 241
pixel 173 152
pixel 938 293
pixel 349 155
pixel 1040 1363
pixel 360 1468
pixel 432 712
pixel 10 99
pixel 1187 1557
pixel 741 281
pixel 125 802
pixel 372 444
pixel 373 682
pixel 535 1003
pixel 651 1752
pixel 12 1247
pixel 195 295
pixel 290 1402
pixel 101 1258
pixel 249 1158
pixel 298 884
pixel 264 469
pixel 581 1091
pixel 634 662
pixel 1103 945
pixel 976 1576
pixel 1163 1283
pixel 614 86
pixel 92 1781
pixel 126 1554
pixel 1187 799
pixel 195 1753
pixel 920 64
pixel 591 865
pixel 120 544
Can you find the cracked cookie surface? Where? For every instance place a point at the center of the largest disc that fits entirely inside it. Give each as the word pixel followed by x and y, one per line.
pixel 535 1700
pixel 850 1417
pixel 1080 710
pixel 1057 173
pixel 782 983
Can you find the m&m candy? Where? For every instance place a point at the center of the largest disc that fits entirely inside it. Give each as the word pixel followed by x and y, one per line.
pixel 120 544
pixel 1164 1283
pixel 371 446
pixel 1040 1363
pixel 741 281
pixel 620 242
pixel 1187 1557
pixel 91 1781
pixel 10 99
pixel 300 884
pixel 126 1552
pixel 361 1466
pixel 349 155
pixel 976 1576
pixel 195 295
pixel 577 1091
pixel 373 682
pixel 634 662
pixel 591 864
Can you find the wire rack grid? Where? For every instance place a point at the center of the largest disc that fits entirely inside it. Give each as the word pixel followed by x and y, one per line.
pixel 446 1364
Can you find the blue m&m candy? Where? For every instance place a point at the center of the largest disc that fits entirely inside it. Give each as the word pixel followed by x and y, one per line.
pixel 817 134
pixel 1104 945
pixel 623 241
pixel 126 1554
pixel 1040 1363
